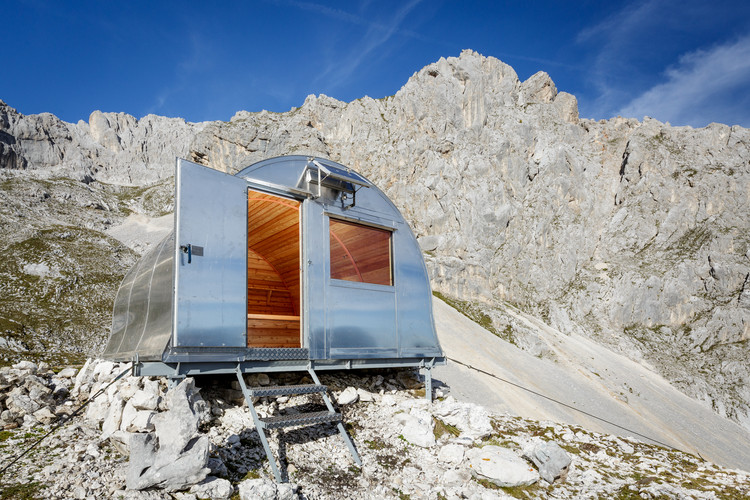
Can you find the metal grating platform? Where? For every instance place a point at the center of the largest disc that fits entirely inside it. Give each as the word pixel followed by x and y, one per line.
pixel 286 390
pixel 318 417
pixel 276 353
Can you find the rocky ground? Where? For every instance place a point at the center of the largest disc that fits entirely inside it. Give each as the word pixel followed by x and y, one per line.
pixel 409 448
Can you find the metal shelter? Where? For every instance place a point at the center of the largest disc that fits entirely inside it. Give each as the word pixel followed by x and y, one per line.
pixel 293 264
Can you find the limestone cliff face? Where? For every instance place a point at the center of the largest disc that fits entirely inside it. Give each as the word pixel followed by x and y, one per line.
pixel 633 233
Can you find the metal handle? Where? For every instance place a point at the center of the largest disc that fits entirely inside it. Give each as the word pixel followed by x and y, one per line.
pixel 188 249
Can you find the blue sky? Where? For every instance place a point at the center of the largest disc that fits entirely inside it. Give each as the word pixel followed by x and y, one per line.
pixel 682 61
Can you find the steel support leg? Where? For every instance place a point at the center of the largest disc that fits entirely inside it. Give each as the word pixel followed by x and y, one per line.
pixel 428 383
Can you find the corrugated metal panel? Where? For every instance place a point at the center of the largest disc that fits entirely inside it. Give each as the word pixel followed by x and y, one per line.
pixel 142 316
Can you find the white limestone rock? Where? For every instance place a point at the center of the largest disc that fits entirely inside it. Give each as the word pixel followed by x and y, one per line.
pixel 214 488
pixel 121 441
pixel 348 396
pixel 551 460
pixel 44 416
pixel 257 489
pixel 501 466
pixel 114 417
pixel 175 456
pixel 365 396
pixel 451 454
pixel 142 422
pixel 146 399
pixel 418 428
pixel 67 373
pixel 128 415
pixel 103 371
pixel 455 477
pixel 26 366
pixel 472 420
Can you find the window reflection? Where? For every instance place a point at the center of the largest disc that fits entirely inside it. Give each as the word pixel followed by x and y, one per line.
pixel 360 253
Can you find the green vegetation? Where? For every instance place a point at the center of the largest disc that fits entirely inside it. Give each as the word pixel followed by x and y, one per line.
pixel 26 491
pixel 471 311
pixel 376 444
pixel 58 287
pixel 692 241
pixel 252 474
pixel 441 428
pixel 401 495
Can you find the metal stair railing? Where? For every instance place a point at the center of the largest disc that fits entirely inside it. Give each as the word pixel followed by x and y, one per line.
pixel 279 421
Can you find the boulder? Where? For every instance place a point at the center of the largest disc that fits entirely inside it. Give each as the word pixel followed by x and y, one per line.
pixel 121 441
pixel 114 417
pixel 472 420
pixel 26 366
pixel 128 415
pixel 551 460
pixel 45 416
pixel 213 488
pixel 418 428
pixel 146 399
pixel 257 489
pixel 103 371
pixel 500 466
pixel 142 422
pixel 451 454
pixel 365 396
pixel 348 396
pixel 67 373
pixel 174 456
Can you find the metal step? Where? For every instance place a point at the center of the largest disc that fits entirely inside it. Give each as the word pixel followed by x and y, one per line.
pixel 318 417
pixel 286 390
pixel 277 353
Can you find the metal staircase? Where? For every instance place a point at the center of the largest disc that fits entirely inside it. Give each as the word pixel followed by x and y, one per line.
pixel 299 419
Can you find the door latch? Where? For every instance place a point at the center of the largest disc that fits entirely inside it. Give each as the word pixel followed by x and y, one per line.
pixel 188 249
pixel 191 250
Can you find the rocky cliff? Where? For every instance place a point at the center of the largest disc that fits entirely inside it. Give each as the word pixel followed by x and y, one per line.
pixel 632 233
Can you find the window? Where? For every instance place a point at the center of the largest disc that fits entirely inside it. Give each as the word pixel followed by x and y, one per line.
pixel 360 253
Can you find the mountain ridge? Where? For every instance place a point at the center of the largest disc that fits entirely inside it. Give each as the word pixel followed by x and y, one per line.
pixel 613 229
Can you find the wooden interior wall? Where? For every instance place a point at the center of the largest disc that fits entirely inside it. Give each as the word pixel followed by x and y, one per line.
pixel 273 271
pixel 360 253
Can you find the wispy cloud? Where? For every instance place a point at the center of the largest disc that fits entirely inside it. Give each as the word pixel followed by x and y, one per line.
pixel 196 58
pixel 668 59
pixel 377 33
pixel 614 39
pixel 704 86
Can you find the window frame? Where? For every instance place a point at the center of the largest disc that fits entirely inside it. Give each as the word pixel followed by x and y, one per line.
pixel 365 225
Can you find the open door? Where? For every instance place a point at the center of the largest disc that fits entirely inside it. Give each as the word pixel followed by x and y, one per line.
pixel 210 257
pixel 273 271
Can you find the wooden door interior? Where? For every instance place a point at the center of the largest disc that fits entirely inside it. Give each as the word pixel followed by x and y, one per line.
pixel 273 271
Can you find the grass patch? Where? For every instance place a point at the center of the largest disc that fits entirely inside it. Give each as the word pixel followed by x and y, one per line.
pixel 472 311
pixel 26 491
pixel 376 444
pixel 252 474
pixel 441 428
pixel 401 494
